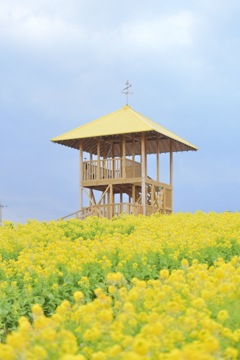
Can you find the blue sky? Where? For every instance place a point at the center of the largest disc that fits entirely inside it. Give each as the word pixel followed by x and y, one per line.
pixel 65 62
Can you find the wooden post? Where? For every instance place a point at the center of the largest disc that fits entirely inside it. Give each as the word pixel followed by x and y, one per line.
pixel 143 163
pixel 98 159
pixel 171 163
pixel 91 199
pixel 133 155
pixel 90 169
pixel 103 159
pixel 111 207
pixel 113 161
pixel 146 157
pixel 124 157
pixel 133 194
pixel 171 172
pixel 80 176
pixel 158 160
pixel 152 194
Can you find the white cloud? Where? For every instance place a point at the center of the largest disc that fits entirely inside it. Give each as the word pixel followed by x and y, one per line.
pixel 161 33
pixel 40 27
pixel 57 23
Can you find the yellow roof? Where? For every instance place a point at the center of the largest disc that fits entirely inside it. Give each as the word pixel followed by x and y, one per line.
pixel 122 121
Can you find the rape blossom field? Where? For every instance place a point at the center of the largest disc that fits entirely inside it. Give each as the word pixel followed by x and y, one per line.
pixel 159 287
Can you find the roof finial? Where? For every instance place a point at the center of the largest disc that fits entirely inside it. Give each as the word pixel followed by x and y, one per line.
pixel 126 90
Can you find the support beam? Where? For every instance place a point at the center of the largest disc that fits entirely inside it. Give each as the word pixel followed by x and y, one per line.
pixel 152 194
pixel 111 207
pixel 89 195
pixel 133 154
pixel 93 200
pixel 98 159
pixel 123 156
pixel 104 162
pixel 133 194
pixel 143 164
pixel 103 194
pixel 171 172
pixel 80 176
pixel 171 163
pixel 158 160
pixel 113 162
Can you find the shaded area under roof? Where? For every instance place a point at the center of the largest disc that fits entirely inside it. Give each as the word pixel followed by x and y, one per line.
pixel 128 122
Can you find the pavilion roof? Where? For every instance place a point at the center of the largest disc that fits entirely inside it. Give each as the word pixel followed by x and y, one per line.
pixel 120 122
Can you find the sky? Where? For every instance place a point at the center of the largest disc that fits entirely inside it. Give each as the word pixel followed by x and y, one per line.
pixel 64 63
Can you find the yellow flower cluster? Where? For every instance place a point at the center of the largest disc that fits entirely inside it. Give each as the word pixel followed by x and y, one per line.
pixel 37 249
pixel 159 287
pixel 182 315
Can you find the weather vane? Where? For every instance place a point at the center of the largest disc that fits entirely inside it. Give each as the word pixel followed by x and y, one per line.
pixel 1 207
pixel 126 90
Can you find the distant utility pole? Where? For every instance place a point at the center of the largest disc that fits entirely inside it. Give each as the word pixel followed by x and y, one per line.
pixel 1 207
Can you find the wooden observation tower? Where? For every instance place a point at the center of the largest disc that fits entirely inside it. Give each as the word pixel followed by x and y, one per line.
pixel 113 156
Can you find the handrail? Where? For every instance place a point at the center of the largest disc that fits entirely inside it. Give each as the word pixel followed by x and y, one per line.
pixel 106 210
pixel 66 216
pixel 110 168
pixel 69 215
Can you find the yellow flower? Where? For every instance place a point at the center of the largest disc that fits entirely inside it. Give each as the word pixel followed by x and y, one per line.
pixel 55 286
pixel 16 340
pixel 133 294
pixel 105 315
pixel 227 332
pixel 112 290
pixel 211 344
pixel 100 355
pixel 195 262
pixel 140 346
pixel 37 310
pixel 24 325
pixel 72 357
pixel 7 352
pixel 41 322
pixel 128 306
pixel 37 352
pixel 114 350
pixel 198 303
pixel 231 354
pixel 78 296
pixel 92 334
pixel 49 335
pixel 222 315
pixel 68 342
pixel 115 278
pixel 164 274
pixel 236 335
pixel 98 291
pixel 184 263
pixel 219 273
pixel 173 307
pixel 131 355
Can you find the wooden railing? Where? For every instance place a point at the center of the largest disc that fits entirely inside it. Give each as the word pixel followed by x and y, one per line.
pixel 111 210
pixel 106 211
pixel 111 168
